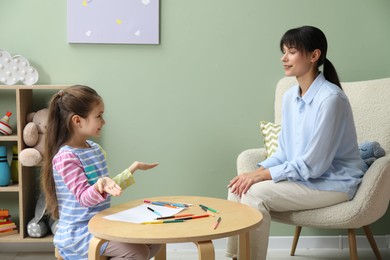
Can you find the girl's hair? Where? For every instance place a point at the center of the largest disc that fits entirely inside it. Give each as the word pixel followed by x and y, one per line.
pixel 307 39
pixel 75 100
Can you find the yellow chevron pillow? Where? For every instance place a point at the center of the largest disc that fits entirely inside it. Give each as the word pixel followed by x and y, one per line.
pixel 270 132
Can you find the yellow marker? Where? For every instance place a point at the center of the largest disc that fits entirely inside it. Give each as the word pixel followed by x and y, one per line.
pixel 118 21
pixel 85 3
pixel 153 222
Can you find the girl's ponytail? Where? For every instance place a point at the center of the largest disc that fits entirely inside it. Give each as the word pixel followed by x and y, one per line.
pixel 47 178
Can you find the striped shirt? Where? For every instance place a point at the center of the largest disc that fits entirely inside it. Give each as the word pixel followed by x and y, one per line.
pixel 75 171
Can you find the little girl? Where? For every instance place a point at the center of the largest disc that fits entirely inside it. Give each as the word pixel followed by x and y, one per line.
pixel 75 175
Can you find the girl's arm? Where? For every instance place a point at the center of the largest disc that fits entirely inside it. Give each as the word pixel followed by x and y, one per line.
pixel 126 178
pixel 70 169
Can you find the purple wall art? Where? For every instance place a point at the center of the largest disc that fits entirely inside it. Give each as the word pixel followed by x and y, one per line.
pixel 114 21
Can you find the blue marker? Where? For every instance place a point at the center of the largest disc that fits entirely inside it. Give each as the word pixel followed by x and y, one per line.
pixel 154 211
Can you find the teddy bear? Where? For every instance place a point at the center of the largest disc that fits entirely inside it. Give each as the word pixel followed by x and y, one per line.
pixel 40 225
pixel 370 151
pixel 34 137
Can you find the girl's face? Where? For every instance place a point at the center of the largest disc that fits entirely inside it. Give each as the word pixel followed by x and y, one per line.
pixel 296 63
pixel 93 124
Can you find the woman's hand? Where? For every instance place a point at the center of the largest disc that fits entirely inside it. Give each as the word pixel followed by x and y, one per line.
pixel 240 184
pixel 108 185
pixel 141 166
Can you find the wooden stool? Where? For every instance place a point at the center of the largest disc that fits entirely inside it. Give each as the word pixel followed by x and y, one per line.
pixel 58 256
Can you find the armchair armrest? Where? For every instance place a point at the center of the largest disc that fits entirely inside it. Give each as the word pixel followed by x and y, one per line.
pixel 248 159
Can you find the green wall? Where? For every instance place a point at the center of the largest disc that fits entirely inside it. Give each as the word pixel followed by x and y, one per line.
pixel 193 103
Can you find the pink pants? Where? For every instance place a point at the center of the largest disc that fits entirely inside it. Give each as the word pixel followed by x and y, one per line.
pixel 118 250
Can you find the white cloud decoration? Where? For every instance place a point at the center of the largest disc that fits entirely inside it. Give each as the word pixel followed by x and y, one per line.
pixel 16 68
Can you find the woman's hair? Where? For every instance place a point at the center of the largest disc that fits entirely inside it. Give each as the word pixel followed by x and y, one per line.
pixel 75 100
pixel 307 39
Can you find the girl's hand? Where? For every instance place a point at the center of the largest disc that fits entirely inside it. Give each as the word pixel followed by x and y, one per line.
pixel 108 185
pixel 141 166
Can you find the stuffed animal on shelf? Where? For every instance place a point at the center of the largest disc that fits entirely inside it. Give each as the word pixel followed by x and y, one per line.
pixel 370 151
pixel 41 224
pixel 34 137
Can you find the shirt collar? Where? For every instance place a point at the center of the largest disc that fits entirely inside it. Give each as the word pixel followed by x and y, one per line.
pixel 312 91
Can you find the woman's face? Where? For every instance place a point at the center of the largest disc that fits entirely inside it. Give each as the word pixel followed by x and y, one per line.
pixel 296 63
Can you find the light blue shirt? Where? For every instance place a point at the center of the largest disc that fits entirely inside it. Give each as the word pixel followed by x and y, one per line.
pixel 317 144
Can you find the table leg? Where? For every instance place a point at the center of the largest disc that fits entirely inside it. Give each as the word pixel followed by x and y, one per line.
pixel 162 254
pixel 205 250
pixel 244 249
pixel 94 248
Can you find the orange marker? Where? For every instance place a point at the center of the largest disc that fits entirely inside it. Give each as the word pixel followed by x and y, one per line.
pixel 176 216
pixel 196 216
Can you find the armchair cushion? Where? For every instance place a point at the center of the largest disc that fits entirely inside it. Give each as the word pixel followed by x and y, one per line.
pixel 270 132
pixel 369 204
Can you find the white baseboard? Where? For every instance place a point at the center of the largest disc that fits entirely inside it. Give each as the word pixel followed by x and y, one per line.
pixel 327 242
pixel 275 242
pixel 306 242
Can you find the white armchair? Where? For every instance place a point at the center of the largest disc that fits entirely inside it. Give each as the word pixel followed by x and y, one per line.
pixel 371 110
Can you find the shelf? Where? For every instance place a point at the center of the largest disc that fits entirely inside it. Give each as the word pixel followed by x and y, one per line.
pixel 47 87
pixel 11 238
pixel 16 238
pixel 26 190
pixel 46 239
pixel 10 188
pixel 8 138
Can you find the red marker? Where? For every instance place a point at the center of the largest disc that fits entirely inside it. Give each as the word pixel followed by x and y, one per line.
pixel 217 223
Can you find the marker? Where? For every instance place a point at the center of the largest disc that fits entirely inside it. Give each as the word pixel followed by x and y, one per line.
pixel 154 211
pixel 208 211
pixel 154 202
pixel 175 204
pixel 159 203
pixel 176 216
pixel 163 221
pixel 213 210
pixel 194 217
pixel 217 223
pixel 181 205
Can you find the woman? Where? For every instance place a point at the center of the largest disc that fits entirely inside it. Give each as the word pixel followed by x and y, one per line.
pixel 317 163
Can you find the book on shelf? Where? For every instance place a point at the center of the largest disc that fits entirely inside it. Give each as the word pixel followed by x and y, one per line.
pixel 4 213
pixel 8 232
pixel 7 226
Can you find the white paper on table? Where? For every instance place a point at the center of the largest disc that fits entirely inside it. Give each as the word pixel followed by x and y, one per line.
pixel 142 214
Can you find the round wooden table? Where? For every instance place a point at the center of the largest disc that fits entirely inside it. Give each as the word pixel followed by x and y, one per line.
pixel 237 219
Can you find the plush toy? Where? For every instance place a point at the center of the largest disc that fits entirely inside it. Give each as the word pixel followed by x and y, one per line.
pixel 370 151
pixel 40 225
pixel 34 137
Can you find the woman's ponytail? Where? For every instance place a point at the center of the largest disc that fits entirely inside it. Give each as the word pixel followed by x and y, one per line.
pixel 330 73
